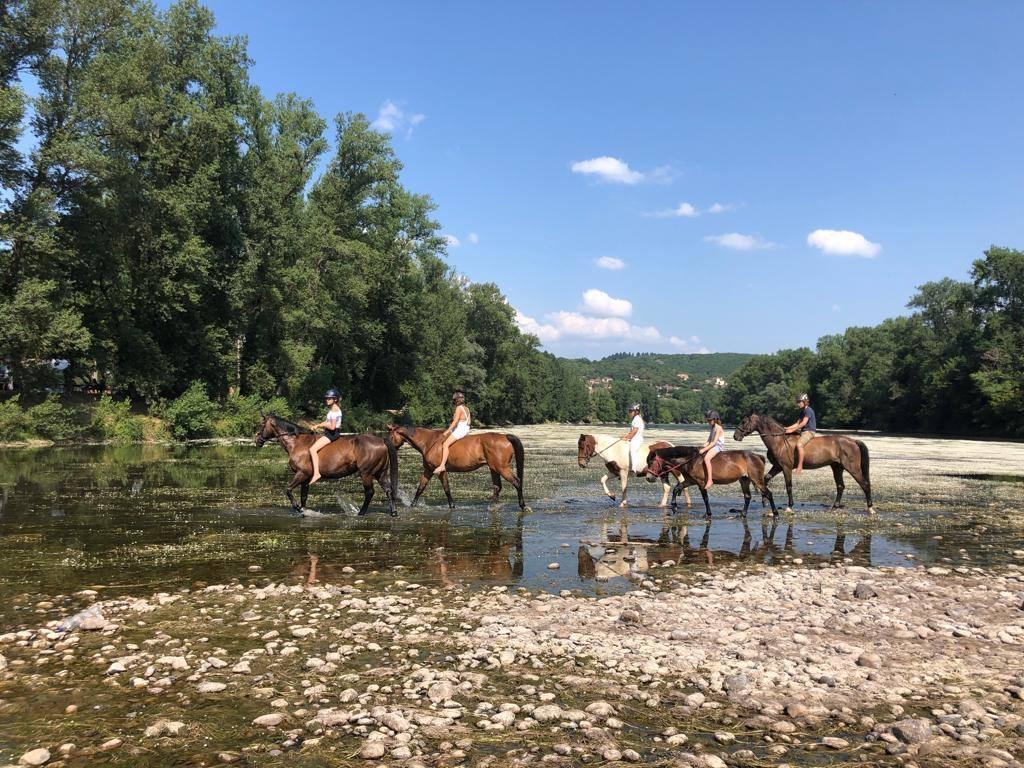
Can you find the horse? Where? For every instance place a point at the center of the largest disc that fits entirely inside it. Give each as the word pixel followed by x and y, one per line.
pixel 727 467
pixel 837 451
pixel 373 457
pixel 615 452
pixel 468 454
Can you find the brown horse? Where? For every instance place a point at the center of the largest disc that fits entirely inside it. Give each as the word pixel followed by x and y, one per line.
pixel 837 451
pixel 470 453
pixel 727 467
pixel 374 458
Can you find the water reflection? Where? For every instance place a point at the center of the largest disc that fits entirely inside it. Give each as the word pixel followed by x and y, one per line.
pixel 618 553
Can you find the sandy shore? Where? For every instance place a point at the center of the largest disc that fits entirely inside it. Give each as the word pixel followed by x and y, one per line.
pixel 787 665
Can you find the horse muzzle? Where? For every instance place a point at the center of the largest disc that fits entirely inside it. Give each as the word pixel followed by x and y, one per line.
pixel 583 463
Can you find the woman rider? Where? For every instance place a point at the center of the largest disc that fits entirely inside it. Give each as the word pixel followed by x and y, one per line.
pixel 458 429
pixel 332 431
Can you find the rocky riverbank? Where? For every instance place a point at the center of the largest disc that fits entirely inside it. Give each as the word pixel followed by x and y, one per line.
pixel 767 666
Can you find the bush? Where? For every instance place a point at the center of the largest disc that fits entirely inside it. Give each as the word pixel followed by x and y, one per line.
pixel 14 421
pixel 113 420
pixel 52 420
pixel 192 414
pixel 240 416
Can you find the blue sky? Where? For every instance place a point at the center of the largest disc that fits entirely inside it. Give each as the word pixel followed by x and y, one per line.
pixel 854 151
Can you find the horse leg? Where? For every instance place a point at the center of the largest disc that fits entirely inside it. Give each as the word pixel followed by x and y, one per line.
pixel 303 494
pixel 766 493
pixel 300 478
pixel 604 484
pixel 447 490
pixel 509 475
pixel 788 474
pixel 367 493
pixel 707 504
pixel 776 469
pixel 745 485
pixel 665 488
pixel 389 492
pixel 422 485
pixel 837 473
pixel 496 484
pixel 624 477
pixel 865 485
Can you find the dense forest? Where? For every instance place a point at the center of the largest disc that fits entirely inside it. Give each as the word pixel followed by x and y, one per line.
pixel 163 225
pixel 954 365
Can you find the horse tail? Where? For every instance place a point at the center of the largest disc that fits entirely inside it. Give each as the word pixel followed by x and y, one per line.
pixel 517 447
pixel 392 467
pixel 864 460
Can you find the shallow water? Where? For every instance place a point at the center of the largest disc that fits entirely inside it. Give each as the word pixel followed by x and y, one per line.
pixel 141 519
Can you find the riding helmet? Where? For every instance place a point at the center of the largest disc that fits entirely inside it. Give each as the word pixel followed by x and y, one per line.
pixel 333 394
pixel 712 414
pixel 803 399
pixel 635 407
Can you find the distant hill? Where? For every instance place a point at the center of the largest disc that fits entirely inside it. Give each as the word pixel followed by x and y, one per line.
pixel 663 369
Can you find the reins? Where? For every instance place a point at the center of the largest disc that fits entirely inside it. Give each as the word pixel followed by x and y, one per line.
pixel 601 452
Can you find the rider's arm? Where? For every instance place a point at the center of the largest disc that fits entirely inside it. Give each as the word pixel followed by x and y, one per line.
pixel 798 425
pixel 455 421
pixel 629 435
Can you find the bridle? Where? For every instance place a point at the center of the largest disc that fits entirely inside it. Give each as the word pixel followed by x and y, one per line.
pixel 670 468
pixel 586 459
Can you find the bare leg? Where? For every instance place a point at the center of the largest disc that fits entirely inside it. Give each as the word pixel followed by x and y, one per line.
pixel 315 458
pixel 707 473
pixel 799 459
pixel 443 466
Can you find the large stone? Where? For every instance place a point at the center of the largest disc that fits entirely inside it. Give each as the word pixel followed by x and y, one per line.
pixel 863 591
pixel 39 756
pixel 912 730
pixel 373 750
pixel 211 686
pixel 601 709
pixel 269 721
pixel 395 722
pixel 869 660
pixel 441 691
pixel 547 712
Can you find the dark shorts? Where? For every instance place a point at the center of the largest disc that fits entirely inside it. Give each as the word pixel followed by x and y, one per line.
pixel 332 434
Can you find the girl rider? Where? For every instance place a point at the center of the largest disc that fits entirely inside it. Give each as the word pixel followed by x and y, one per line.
pixel 458 429
pixel 714 446
pixel 332 431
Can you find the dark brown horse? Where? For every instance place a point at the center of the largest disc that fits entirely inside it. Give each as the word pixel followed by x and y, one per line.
pixel 836 451
pixel 495 450
pixel 373 457
pixel 727 467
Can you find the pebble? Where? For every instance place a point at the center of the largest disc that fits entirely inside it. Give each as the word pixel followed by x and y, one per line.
pixel 373 750
pixel 270 720
pixel 553 566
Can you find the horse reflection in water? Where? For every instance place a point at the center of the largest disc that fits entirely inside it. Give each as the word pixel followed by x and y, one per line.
pixel 632 556
pixel 436 553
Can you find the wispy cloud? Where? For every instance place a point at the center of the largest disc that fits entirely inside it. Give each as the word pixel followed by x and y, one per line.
pixel 609 169
pixel 721 207
pixel 472 238
pixel 842 242
pixel 600 303
pixel 611 263
pixel 737 242
pixel 393 119
pixel 684 210
pixel 452 240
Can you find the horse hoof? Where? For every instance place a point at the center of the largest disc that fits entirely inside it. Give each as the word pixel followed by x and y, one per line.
pixel 871 511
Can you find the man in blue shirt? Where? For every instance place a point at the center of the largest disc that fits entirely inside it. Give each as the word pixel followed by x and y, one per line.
pixel 806 425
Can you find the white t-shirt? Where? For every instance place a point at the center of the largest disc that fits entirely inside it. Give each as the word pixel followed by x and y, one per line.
pixel 333 419
pixel 638 424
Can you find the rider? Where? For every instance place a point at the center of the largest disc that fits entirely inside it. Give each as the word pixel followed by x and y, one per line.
pixel 458 429
pixel 635 438
pixel 714 446
pixel 332 431
pixel 806 425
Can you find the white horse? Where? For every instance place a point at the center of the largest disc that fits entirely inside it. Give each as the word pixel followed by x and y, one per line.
pixel 615 453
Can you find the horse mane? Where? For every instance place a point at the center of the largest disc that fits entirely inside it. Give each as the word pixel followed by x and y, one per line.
pixel 772 423
pixel 288 427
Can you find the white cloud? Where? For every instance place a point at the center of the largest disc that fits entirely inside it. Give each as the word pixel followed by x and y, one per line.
pixel 608 169
pixel 842 242
pixel 720 207
pixel 452 240
pixel 738 242
pixel 392 119
pixel 573 325
pixel 543 331
pixel 610 262
pixel 600 303
pixel 472 238
pixel 683 210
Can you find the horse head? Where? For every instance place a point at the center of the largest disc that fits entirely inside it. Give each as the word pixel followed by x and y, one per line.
pixel 655 466
pixel 751 423
pixel 397 435
pixel 586 447
pixel 266 430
